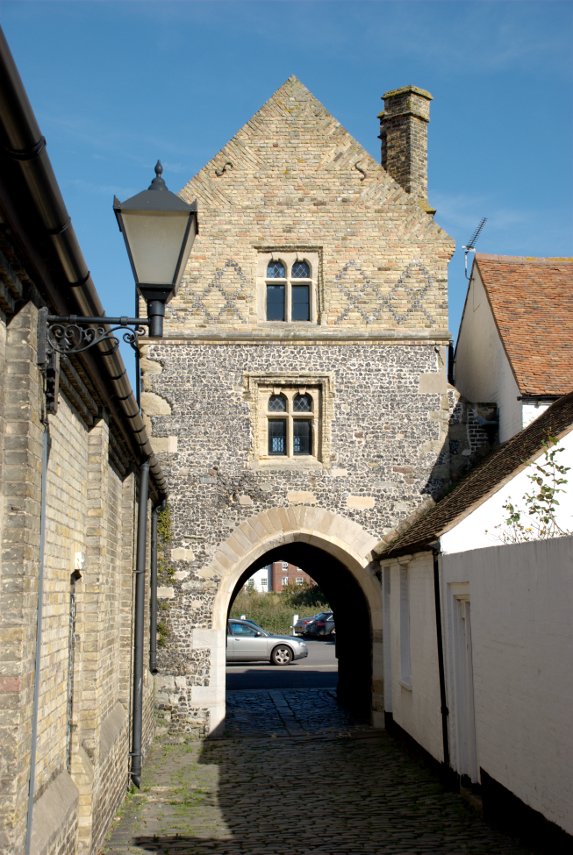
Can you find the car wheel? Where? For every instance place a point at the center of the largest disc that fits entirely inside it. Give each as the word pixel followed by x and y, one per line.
pixel 281 655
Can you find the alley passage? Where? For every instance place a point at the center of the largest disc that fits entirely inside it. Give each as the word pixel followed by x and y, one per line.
pixel 296 775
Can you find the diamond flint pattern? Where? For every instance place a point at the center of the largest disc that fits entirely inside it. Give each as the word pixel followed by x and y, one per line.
pixel 410 291
pixel 412 288
pixel 224 293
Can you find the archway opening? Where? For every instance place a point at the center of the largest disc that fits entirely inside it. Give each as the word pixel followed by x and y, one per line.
pixel 351 615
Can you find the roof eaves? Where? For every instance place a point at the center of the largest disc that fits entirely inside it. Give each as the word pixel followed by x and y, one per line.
pixel 487 478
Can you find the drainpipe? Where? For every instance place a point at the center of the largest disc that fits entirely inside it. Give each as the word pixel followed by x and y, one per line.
pixel 443 700
pixel 138 629
pixel 153 591
pixel 39 626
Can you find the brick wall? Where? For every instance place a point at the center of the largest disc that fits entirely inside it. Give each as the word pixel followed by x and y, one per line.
pixel 292 574
pixel 83 731
pixel 404 135
pixel 21 453
pixel 291 178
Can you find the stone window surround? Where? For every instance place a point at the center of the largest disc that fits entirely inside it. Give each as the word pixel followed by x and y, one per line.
pixel 259 386
pixel 288 255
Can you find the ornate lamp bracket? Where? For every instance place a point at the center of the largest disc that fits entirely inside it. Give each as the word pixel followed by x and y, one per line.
pixel 61 336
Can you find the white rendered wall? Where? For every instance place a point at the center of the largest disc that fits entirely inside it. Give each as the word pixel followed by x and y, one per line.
pixel 415 707
pixel 482 371
pixel 522 639
pixel 260 579
pixel 532 411
pixel 480 528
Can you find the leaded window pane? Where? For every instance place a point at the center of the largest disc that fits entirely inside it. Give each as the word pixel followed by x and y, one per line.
pixel 300 270
pixel 277 404
pixel 302 404
pixel 302 437
pixel 277 437
pixel 300 303
pixel 276 270
pixel 276 302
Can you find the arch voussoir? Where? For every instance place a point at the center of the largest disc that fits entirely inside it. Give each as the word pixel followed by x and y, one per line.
pixel 341 537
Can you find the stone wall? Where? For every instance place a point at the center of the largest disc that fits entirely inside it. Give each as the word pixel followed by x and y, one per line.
pixel 292 183
pixel 387 422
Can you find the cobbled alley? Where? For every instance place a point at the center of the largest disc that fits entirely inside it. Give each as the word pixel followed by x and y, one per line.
pixel 280 782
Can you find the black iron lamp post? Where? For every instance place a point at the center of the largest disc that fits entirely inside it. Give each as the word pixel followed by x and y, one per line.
pixel 159 229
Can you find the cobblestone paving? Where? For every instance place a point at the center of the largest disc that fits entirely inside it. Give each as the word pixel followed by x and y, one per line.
pixel 282 783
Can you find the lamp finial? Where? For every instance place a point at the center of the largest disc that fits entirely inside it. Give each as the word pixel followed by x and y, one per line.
pixel 158 183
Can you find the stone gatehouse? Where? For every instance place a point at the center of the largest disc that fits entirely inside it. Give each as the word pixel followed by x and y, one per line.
pixel 299 402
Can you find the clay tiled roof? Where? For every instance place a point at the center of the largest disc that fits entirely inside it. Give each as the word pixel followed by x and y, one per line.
pixel 487 477
pixel 532 304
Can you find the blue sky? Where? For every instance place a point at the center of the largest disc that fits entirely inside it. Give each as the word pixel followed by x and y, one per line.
pixel 117 85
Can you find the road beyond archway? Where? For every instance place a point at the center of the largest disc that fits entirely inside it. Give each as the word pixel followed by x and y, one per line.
pixel 318 671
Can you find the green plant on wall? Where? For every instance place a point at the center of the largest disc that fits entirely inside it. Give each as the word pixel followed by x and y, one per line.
pixel 535 518
pixel 165 571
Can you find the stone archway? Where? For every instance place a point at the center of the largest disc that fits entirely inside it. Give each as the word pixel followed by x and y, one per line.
pixel 338 537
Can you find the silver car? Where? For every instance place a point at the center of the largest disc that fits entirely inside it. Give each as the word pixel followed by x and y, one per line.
pixel 247 642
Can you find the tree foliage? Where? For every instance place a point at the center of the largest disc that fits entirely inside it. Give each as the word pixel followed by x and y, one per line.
pixel 535 518
pixel 274 611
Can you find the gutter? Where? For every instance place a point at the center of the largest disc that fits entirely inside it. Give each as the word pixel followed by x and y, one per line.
pixel 139 626
pixel 444 711
pixel 44 226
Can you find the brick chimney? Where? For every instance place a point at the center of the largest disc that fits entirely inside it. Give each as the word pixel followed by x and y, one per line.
pixel 404 135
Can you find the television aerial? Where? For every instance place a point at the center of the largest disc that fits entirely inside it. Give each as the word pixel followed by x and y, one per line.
pixel 471 244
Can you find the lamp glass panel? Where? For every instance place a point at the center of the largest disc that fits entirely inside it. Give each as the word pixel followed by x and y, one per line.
pixel 155 245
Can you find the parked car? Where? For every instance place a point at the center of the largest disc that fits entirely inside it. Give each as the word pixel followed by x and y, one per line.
pixel 302 623
pixel 318 625
pixel 247 642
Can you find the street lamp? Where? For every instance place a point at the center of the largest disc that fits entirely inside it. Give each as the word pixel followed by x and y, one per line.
pixel 159 230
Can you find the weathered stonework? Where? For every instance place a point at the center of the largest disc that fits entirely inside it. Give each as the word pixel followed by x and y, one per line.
pixel 292 184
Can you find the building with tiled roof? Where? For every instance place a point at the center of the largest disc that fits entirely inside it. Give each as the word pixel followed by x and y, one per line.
pixel 515 346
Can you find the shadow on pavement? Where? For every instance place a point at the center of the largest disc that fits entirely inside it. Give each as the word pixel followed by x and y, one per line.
pixel 339 789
